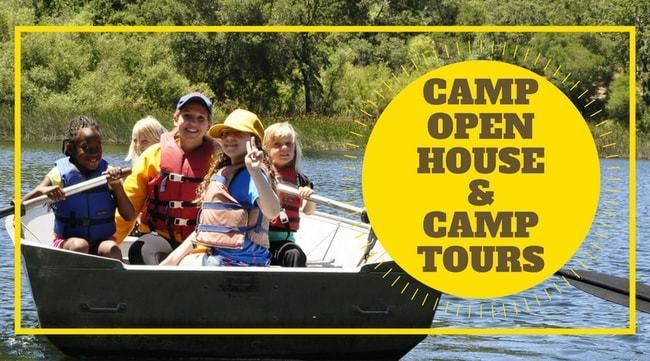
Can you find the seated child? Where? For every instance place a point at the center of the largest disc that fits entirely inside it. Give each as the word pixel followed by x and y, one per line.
pixel 84 222
pixel 237 199
pixel 281 143
pixel 146 132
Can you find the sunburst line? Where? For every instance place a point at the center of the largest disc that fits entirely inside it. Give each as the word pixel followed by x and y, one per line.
pixel 526 55
pixel 365 112
pixel 414 293
pixel 595 244
pixel 557 70
pixel 584 265
pixel 414 64
pixel 595 113
pixel 396 279
pixel 387 272
pixel 405 287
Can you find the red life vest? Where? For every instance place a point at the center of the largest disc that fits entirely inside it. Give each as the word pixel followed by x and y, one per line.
pixel 171 195
pixel 223 221
pixel 289 218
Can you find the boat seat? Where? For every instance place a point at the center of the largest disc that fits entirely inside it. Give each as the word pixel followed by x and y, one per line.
pixel 322 263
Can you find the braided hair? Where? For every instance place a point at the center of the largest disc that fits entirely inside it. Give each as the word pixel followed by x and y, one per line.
pixel 70 140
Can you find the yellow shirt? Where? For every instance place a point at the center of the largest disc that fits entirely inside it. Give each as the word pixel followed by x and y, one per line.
pixel 146 168
pixel 135 186
pixel 55 177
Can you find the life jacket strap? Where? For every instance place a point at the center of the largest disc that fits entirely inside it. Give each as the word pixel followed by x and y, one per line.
pixel 222 229
pixel 83 222
pixel 223 205
pixel 219 179
pixel 177 221
pixel 175 177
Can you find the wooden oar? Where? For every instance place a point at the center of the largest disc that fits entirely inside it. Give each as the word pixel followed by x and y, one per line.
pixel 321 200
pixel 608 287
pixel 68 191
pixel 372 238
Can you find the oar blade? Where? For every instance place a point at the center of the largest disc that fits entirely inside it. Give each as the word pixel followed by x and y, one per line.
pixel 608 287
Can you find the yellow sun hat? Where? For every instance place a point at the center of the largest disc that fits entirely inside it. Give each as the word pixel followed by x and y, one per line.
pixel 241 120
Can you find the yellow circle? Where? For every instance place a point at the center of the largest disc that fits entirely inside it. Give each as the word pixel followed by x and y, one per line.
pixel 481 179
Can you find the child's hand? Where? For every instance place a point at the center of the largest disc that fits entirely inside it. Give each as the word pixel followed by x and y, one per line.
pixel 114 175
pixel 305 192
pixel 54 193
pixel 254 156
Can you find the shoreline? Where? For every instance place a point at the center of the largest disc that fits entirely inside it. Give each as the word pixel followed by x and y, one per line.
pixel 317 134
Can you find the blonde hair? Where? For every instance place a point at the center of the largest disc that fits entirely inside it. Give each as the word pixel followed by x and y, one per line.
pixel 280 130
pixel 147 127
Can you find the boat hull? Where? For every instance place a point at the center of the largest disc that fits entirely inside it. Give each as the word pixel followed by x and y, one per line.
pixel 229 347
pixel 72 290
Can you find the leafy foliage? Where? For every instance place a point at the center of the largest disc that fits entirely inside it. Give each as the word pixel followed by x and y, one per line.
pixel 291 74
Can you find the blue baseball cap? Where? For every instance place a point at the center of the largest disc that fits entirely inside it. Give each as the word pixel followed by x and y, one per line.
pixel 194 96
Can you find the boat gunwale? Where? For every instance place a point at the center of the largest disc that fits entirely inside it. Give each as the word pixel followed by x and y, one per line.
pixel 278 269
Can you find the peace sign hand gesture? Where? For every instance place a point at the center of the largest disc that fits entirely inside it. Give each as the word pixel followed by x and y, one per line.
pixel 254 156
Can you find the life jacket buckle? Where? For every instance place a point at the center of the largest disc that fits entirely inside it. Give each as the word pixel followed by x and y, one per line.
pixel 175 177
pixel 175 204
pixel 180 222
pixel 284 218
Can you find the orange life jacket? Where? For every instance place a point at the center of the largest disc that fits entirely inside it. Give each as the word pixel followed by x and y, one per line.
pixel 223 221
pixel 289 218
pixel 171 194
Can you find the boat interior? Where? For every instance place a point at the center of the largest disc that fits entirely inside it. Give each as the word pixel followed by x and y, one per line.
pixel 330 241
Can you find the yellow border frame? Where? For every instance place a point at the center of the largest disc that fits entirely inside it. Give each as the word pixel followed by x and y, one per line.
pixel 630 30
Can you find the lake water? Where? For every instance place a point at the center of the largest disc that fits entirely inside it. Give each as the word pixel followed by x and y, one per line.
pixel 334 176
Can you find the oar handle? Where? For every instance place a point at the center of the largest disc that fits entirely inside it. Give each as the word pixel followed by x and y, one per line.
pixel 320 199
pixel 68 191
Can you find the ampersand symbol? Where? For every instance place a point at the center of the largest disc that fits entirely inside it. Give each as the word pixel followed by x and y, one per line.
pixel 478 196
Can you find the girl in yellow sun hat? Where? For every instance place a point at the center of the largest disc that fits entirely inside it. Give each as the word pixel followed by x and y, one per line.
pixel 237 200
